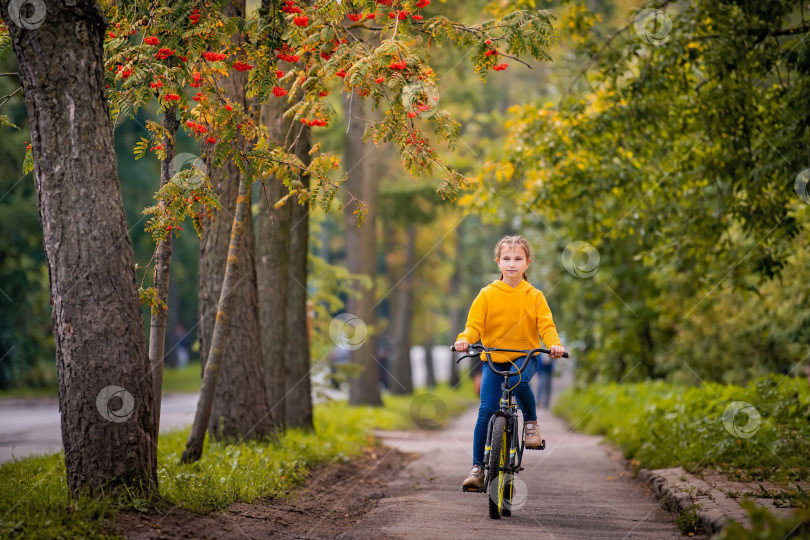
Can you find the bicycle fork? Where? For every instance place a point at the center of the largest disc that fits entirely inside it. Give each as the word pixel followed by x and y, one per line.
pixel 509 410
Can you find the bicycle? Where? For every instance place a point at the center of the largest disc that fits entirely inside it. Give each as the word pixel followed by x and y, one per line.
pixel 503 452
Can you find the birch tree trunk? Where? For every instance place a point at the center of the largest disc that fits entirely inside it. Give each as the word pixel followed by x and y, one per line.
pixel 106 397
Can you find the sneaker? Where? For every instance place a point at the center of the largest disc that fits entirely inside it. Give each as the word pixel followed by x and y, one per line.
pixel 531 435
pixel 475 480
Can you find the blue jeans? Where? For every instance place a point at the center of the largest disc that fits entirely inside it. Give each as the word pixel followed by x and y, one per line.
pixel 491 397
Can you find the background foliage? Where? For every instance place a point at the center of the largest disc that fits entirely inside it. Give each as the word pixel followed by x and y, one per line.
pixel 673 150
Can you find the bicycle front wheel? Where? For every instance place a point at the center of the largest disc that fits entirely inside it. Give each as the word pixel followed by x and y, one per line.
pixel 498 463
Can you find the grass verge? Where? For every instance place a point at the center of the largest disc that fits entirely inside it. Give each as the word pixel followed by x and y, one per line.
pixel 184 380
pixel 34 501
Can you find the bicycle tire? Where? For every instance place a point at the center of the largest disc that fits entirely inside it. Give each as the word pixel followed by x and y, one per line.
pixel 508 495
pixel 498 461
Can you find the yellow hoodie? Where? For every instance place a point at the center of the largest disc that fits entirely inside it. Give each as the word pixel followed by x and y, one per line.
pixel 510 318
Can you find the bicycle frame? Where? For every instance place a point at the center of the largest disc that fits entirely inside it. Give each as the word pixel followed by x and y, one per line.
pixel 508 410
pixel 510 433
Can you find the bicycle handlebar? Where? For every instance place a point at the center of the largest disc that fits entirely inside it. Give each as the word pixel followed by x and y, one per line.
pixel 476 350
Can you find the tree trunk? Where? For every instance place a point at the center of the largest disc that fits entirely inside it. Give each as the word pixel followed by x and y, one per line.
pixel 455 298
pixel 299 387
pixel 361 253
pixel 105 384
pixel 240 408
pixel 281 274
pixel 431 372
pixel 163 258
pixel 402 318
pixel 215 356
pixel 272 267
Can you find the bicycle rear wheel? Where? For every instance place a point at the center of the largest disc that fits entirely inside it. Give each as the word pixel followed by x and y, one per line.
pixel 498 462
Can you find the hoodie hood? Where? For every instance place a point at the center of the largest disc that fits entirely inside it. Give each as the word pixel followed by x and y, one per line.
pixel 501 286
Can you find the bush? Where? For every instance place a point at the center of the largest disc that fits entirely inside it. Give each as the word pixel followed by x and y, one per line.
pixel 760 430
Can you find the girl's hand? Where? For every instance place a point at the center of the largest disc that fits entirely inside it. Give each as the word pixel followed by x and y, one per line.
pixel 461 346
pixel 556 351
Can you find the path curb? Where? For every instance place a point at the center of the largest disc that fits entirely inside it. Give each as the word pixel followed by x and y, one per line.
pixel 686 491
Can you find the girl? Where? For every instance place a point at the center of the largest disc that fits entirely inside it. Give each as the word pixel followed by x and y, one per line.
pixel 508 313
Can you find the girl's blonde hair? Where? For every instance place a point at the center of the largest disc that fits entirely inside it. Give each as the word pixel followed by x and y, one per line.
pixel 514 240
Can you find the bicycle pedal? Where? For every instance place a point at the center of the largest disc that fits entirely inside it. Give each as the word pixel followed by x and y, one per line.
pixel 541 447
pixel 468 489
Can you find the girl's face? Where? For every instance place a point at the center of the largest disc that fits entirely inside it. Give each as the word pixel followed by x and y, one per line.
pixel 512 262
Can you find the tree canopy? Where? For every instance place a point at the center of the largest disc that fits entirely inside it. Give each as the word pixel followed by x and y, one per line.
pixel 674 156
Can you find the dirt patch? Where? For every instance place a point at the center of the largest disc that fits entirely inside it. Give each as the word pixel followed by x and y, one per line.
pixel 333 500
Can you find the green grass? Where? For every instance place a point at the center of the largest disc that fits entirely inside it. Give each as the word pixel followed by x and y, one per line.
pixel 34 501
pixel 689 521
pixel 27 393
pixel 185 380
pixel 664 425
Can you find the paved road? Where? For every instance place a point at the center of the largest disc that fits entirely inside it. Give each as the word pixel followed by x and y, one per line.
pixel 575 488
pixel 33 426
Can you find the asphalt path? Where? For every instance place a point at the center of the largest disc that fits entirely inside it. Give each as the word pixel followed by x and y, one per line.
pixel 576 488
pixel 33 426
